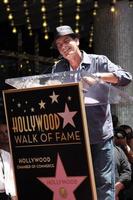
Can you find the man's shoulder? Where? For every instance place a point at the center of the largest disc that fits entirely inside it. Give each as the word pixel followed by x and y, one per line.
pixel 97 56
pixel 61 65
pixel 61 61
pixel 94 58
pixel 120 150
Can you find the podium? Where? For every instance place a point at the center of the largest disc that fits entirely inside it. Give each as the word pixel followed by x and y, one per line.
pixel 97 94
pixel 49 136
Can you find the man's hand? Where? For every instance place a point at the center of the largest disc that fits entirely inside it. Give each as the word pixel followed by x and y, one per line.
pixel 118 187
pixel 90 80
pixel 14 198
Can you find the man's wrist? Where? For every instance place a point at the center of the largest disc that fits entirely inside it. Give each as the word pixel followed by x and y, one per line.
pixel 98 75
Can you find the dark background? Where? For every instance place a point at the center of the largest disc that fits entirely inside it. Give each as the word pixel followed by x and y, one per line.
pixel 25 55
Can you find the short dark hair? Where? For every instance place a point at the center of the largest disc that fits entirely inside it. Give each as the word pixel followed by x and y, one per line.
pixel 129 135
pixel 119 133
pixel 62 31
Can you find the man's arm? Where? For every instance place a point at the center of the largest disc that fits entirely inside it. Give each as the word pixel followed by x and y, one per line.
pixel 108 72
pixel 124 171
pixel 123 77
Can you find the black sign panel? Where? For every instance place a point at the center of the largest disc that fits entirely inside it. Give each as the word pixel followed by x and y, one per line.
pixel 50 143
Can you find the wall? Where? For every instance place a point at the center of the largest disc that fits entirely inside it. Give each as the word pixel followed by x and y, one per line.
pixel 113 37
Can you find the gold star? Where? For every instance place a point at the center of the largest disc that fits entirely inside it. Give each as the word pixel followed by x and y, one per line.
pixel 54 97
pixel 19 105
pixel 69 98
pixel 32 109
pixel 42 104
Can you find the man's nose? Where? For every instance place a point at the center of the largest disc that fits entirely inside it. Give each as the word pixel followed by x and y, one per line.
pixel 64 46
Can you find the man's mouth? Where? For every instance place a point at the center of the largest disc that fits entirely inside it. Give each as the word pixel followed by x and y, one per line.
pixel 66 52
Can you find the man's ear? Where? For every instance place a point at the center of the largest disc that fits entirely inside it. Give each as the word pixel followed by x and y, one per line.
pixel 77 41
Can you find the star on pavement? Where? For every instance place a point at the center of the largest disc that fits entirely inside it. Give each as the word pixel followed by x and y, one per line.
pixel 62 185
pixel 42 104
pixel 67 116
pixel 54 97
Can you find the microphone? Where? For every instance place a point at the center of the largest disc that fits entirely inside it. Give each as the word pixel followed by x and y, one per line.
pixel 55 64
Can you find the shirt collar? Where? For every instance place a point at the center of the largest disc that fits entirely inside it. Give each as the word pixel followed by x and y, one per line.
pixel 86 58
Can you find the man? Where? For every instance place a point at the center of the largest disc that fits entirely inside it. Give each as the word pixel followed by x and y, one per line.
pixel 122 175
pixel 99 117
pixel 4 140
pixel 129 134
pixel 7 185
pixel 122 139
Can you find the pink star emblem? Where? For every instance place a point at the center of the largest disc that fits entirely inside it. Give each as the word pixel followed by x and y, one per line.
pixel 67 116
pixel 62 185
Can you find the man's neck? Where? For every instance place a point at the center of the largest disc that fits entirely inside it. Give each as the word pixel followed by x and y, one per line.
pixel 76 60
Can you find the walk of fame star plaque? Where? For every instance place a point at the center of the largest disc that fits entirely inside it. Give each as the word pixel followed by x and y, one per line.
pixel 50 143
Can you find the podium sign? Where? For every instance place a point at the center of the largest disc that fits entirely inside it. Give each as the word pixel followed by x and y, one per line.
pixel 50 143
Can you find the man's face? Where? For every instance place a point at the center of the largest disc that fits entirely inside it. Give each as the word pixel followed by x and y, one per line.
pixel 67 46
pixel 3 134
